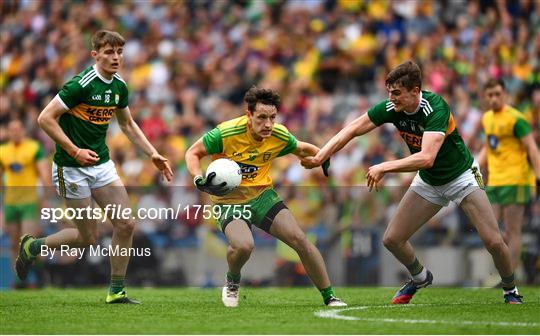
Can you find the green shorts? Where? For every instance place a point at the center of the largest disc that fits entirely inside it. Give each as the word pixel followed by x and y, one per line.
pixel 510 194
pixel 260 211
pixel 21 212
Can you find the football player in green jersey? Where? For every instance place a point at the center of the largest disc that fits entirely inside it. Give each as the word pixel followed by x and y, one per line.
pixel 446 172
pixel 77 120
pixel 254 141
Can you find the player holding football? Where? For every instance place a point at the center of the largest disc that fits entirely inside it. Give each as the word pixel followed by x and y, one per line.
pixel 446 172
pixel 77 120
pixel 254 141
pixel 513 163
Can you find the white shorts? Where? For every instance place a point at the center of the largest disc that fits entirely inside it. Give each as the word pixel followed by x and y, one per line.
pixel 455 190
pixel 76 182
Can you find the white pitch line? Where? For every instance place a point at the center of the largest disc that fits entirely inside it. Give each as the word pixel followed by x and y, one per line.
pixel 335 314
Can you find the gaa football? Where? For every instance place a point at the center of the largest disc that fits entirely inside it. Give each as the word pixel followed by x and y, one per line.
pixel 226 171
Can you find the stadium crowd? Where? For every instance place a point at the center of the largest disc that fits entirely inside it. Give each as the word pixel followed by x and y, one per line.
pixel 189 63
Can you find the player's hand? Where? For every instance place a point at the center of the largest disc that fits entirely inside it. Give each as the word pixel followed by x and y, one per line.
pixel 205 185
pixel 162 164
pixel 309 162
pixel 325 167
pixel 86 157
pixel 374 175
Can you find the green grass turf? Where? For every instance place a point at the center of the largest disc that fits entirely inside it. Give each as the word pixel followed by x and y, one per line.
pixel 266 311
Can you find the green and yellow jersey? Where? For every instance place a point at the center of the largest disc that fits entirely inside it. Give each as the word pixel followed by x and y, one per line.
pixel 433 115
pixel 91 101
pixel 507 159
pixel 233 140
pixel 19 165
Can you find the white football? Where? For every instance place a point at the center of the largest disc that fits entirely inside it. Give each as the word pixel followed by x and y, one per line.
pixel 226 171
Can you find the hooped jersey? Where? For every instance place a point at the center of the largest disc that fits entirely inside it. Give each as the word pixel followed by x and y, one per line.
pixel 433 115
pixel 19 165
pixel 91 101
pixel 507 159
pixel 232 139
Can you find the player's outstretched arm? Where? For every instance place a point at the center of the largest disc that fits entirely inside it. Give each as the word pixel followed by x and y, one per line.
pixel 137 137
pixel 357 127
pixel 48 121
pixel 305 149
pixel 431 143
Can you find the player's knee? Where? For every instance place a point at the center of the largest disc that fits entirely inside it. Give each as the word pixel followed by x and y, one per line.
pixel 244 248
pixel 299 242
pixel 391 242
pixel 124 228
pixel 494 244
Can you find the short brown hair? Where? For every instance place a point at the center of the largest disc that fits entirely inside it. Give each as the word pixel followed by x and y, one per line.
pixel 407 74
pixel 103 37
pixel 493 82
pixel 264 96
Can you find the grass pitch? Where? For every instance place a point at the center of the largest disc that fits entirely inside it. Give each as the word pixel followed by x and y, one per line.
pixel 268 311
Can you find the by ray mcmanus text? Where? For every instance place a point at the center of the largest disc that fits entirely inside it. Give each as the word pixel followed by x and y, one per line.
pixel 94 251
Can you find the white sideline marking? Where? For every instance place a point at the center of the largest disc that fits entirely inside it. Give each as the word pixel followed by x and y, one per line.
pixel 335 314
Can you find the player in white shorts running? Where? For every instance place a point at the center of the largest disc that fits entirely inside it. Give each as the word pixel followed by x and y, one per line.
pixel 446 172
pixel 77 120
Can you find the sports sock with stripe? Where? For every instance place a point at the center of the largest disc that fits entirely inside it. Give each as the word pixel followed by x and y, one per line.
pixel 232 277
pixel 327 293
pixel 508 284
pixel 117 283
pixel 418 272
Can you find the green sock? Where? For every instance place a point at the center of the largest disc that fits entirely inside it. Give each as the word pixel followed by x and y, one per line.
pixel 117 284
pixel 508 283
pixel 231 277
pixel 415 268
pixel 327 293
pixel 35 246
